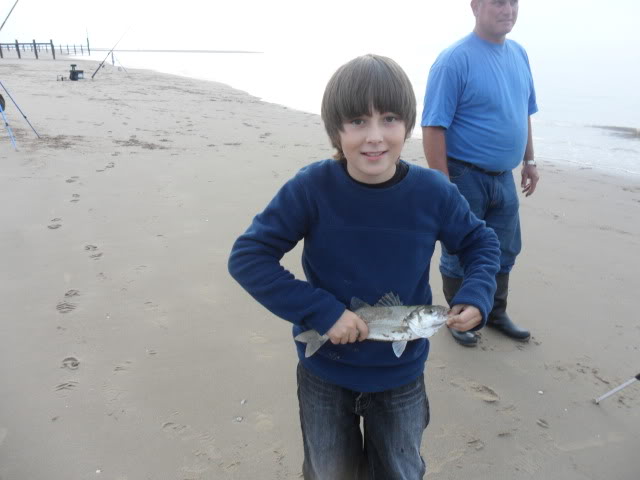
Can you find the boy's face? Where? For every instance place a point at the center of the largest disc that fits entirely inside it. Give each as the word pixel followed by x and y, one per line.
pixel 372 146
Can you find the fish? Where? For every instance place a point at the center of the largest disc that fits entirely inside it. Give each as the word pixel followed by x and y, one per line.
pixel 388 321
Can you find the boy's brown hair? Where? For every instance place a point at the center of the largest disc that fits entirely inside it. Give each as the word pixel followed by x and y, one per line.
pixel 361 85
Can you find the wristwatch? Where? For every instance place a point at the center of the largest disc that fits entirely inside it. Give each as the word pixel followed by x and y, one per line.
pixel 530 162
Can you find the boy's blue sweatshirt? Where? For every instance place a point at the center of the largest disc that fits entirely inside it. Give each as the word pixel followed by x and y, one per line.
pixel 362 242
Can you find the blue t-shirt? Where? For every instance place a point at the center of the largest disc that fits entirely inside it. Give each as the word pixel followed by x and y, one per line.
pixel 482 93
pixel 362 242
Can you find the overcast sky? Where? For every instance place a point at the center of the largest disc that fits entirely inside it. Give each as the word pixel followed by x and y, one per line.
pixel 591 46
pixel 574 26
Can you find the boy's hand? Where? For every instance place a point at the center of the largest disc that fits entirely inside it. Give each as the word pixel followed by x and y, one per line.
pixel 464 317
pixel 349 328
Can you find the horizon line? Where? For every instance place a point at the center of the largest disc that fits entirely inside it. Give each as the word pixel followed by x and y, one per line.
pixel 170 50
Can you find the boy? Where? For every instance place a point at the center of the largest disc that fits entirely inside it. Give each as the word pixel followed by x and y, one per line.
pixel 369 222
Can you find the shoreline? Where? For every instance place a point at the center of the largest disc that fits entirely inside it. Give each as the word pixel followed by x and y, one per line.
pixel 127 349
pixel 630 132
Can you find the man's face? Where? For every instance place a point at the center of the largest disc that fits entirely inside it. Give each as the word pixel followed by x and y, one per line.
pixel 494 18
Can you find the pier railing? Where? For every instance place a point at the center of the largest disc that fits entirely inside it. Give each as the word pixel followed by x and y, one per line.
pixel 38 48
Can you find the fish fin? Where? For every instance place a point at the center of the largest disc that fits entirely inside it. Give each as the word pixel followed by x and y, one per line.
pixel 389 300
pixel 398 347
pixel 306 336
pixel 313 340
pixel 314 345
pixel 357 304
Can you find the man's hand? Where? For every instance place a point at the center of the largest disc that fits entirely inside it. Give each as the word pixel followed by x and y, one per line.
pixel 464 317
pixel 349 328
pixel 530 179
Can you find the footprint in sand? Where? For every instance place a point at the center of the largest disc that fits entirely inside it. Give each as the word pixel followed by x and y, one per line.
pixel 93 248
pixel 264 422
pixel 66 386
pixel 476 444
pixel 108 165
pixel 75 198
pixel 70 363
pixel 72 293
pixel 55 225
pixel 122 367
pixel 485 393
pixel 72 179
pixel 65 307
pixel 258 339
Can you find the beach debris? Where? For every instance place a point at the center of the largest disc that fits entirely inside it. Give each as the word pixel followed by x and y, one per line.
pixel 238 419
pixel 540 392
pixel 243 401
pixel 617 389
pixel 70 363
pixel 388 321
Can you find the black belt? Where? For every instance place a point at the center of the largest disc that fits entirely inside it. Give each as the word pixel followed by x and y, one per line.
pixel 475 167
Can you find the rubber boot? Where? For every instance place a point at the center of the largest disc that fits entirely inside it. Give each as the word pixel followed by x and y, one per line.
pixel 498 317
pixel 450 287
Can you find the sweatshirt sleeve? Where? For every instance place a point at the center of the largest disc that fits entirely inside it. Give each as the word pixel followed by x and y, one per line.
pixel 477 247
pixel 255 262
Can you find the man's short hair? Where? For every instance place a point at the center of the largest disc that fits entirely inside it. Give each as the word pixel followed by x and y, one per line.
pixel 361 85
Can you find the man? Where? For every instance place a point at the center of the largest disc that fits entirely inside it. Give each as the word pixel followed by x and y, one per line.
pixel 476 130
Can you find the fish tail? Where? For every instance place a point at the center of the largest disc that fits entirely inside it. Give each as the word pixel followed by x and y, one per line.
pixel 313 340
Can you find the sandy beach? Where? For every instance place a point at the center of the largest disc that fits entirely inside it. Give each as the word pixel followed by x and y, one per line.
pixel 127 352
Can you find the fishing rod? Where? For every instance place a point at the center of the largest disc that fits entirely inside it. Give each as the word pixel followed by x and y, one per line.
pixel 617 389
pixel 5 20
pixel 105 58
pixel 23 115
pixel 7 126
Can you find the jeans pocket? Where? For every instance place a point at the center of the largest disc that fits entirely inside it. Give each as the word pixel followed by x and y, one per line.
pixel 457 170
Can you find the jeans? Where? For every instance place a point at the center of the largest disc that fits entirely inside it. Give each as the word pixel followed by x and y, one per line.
pixel 393 424
pixel 493 199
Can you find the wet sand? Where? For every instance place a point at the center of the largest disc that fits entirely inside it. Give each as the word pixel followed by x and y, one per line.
pixel 127 351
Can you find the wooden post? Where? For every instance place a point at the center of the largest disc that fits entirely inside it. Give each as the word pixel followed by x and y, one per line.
pixel 74 49
pixel 1 55
pixel 53 50
pixel 35 48
pixel 88 49
pixel 18 49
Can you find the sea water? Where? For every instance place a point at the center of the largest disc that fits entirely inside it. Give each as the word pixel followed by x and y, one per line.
pixel 588 117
